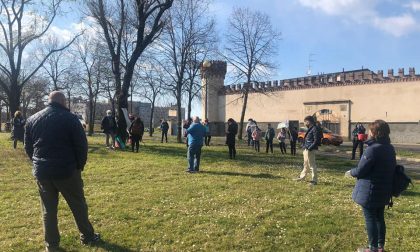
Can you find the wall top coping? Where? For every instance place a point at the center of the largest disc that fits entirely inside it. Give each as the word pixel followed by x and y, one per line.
pixel 349 78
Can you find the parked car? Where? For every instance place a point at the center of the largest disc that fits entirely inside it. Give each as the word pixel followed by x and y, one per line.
pixel 328 136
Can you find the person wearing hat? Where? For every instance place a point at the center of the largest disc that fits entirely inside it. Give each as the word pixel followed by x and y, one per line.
pixel 109 127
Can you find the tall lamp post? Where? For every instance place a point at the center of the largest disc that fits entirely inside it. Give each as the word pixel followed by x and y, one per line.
pixel 206 64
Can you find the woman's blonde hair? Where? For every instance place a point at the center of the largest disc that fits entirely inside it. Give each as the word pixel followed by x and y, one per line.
pixel 18 113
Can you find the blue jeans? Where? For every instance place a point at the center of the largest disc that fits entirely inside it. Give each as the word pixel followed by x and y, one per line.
pixel 194 155
pixel 375 226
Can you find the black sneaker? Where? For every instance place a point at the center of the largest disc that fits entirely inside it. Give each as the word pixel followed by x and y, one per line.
pixel 313 183
pixel 94 239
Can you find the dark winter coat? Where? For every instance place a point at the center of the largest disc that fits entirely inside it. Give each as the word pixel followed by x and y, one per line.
pixel 270 134
pixel 293 134
pixel 374 174
pixel 109 125
pixel 231 133
pixel 311 140
pixel 139 128
pixel 18 128
pixel 164 126
pixel 55 142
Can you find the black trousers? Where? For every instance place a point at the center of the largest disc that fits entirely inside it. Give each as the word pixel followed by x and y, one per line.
pixel 357 143
pixel 164 134
pixel 257 145
pixel 232 150
pixel 207 140
pixel 293 147
pixel 72 191
pixel 250 141
pixel 135 142
pixel 283 147
pixel 269 145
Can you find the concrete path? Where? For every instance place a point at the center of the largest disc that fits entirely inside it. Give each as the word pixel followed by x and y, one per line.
pixel 412 165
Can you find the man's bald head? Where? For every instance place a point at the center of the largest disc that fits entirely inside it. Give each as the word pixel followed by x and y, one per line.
pixel 58 97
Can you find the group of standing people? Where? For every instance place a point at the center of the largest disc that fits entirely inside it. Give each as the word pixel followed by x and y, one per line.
pixel 135 130
pixel 59 171
pixel 254 134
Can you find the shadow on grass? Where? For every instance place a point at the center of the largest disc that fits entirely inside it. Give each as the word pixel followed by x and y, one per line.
pixel 411 193
pixel 260 175
pixel 108 246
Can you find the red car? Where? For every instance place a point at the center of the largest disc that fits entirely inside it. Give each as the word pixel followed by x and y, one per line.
pixel 328 137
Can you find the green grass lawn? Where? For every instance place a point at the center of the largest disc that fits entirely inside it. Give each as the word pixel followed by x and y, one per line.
pixel 146 201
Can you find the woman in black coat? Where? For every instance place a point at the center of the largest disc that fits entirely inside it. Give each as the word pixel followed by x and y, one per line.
pixel 18 128
pixel 373 188
pixel 230 137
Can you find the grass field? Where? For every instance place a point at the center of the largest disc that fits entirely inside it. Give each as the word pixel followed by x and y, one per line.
pixel 146 201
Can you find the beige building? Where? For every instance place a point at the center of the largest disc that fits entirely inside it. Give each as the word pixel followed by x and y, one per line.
pixel 338 100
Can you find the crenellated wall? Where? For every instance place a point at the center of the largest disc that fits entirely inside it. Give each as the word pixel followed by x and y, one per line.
pixel 349 97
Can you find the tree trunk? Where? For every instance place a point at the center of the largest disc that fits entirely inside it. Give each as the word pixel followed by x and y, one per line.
pixel 91 114
pixel 69 100
pixel 241 123
pixel 151 128
pixel 14 100
pixel 189 104
pixel 179 117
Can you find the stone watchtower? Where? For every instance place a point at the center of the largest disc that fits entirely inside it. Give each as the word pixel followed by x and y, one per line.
pixel 213 106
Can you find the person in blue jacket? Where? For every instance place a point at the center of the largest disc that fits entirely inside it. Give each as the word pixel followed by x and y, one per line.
pixel 195 133
pixel 373 188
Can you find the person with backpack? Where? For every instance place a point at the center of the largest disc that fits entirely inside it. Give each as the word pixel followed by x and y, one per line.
pixel 282 140
pixel 164 127
pixel 358 140
pixel 269 136
pixel 109 127
pixel 231 132
pixel 136 132
pixel 18 130
pixel 310 146
pixel 374 186
pixel 256 136
pixel 293 134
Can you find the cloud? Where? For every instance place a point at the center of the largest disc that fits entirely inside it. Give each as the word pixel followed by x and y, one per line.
pixel 397 25
pixel 365 12
pixel 414 6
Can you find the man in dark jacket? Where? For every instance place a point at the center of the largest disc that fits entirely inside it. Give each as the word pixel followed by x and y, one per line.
pixel 310 145
pixel 269 136
pixel 109 127
pixel 164 127
pixel 230 137
pixel 373 189
pixel 56 143
pixel 358 140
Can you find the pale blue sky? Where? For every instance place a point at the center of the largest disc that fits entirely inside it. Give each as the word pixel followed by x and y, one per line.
pixel 349 34
pixel 375 34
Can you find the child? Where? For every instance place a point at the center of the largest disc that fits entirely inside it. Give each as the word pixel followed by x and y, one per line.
pixel 256 136
pixel 282 140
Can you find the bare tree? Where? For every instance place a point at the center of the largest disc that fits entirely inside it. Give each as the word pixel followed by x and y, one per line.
pixel 23 23
pixel 115 18
pixel 153 83
pixel 89 53
pixel 188 29
pixel 34 95
pixel 57 65
pixel 250 45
